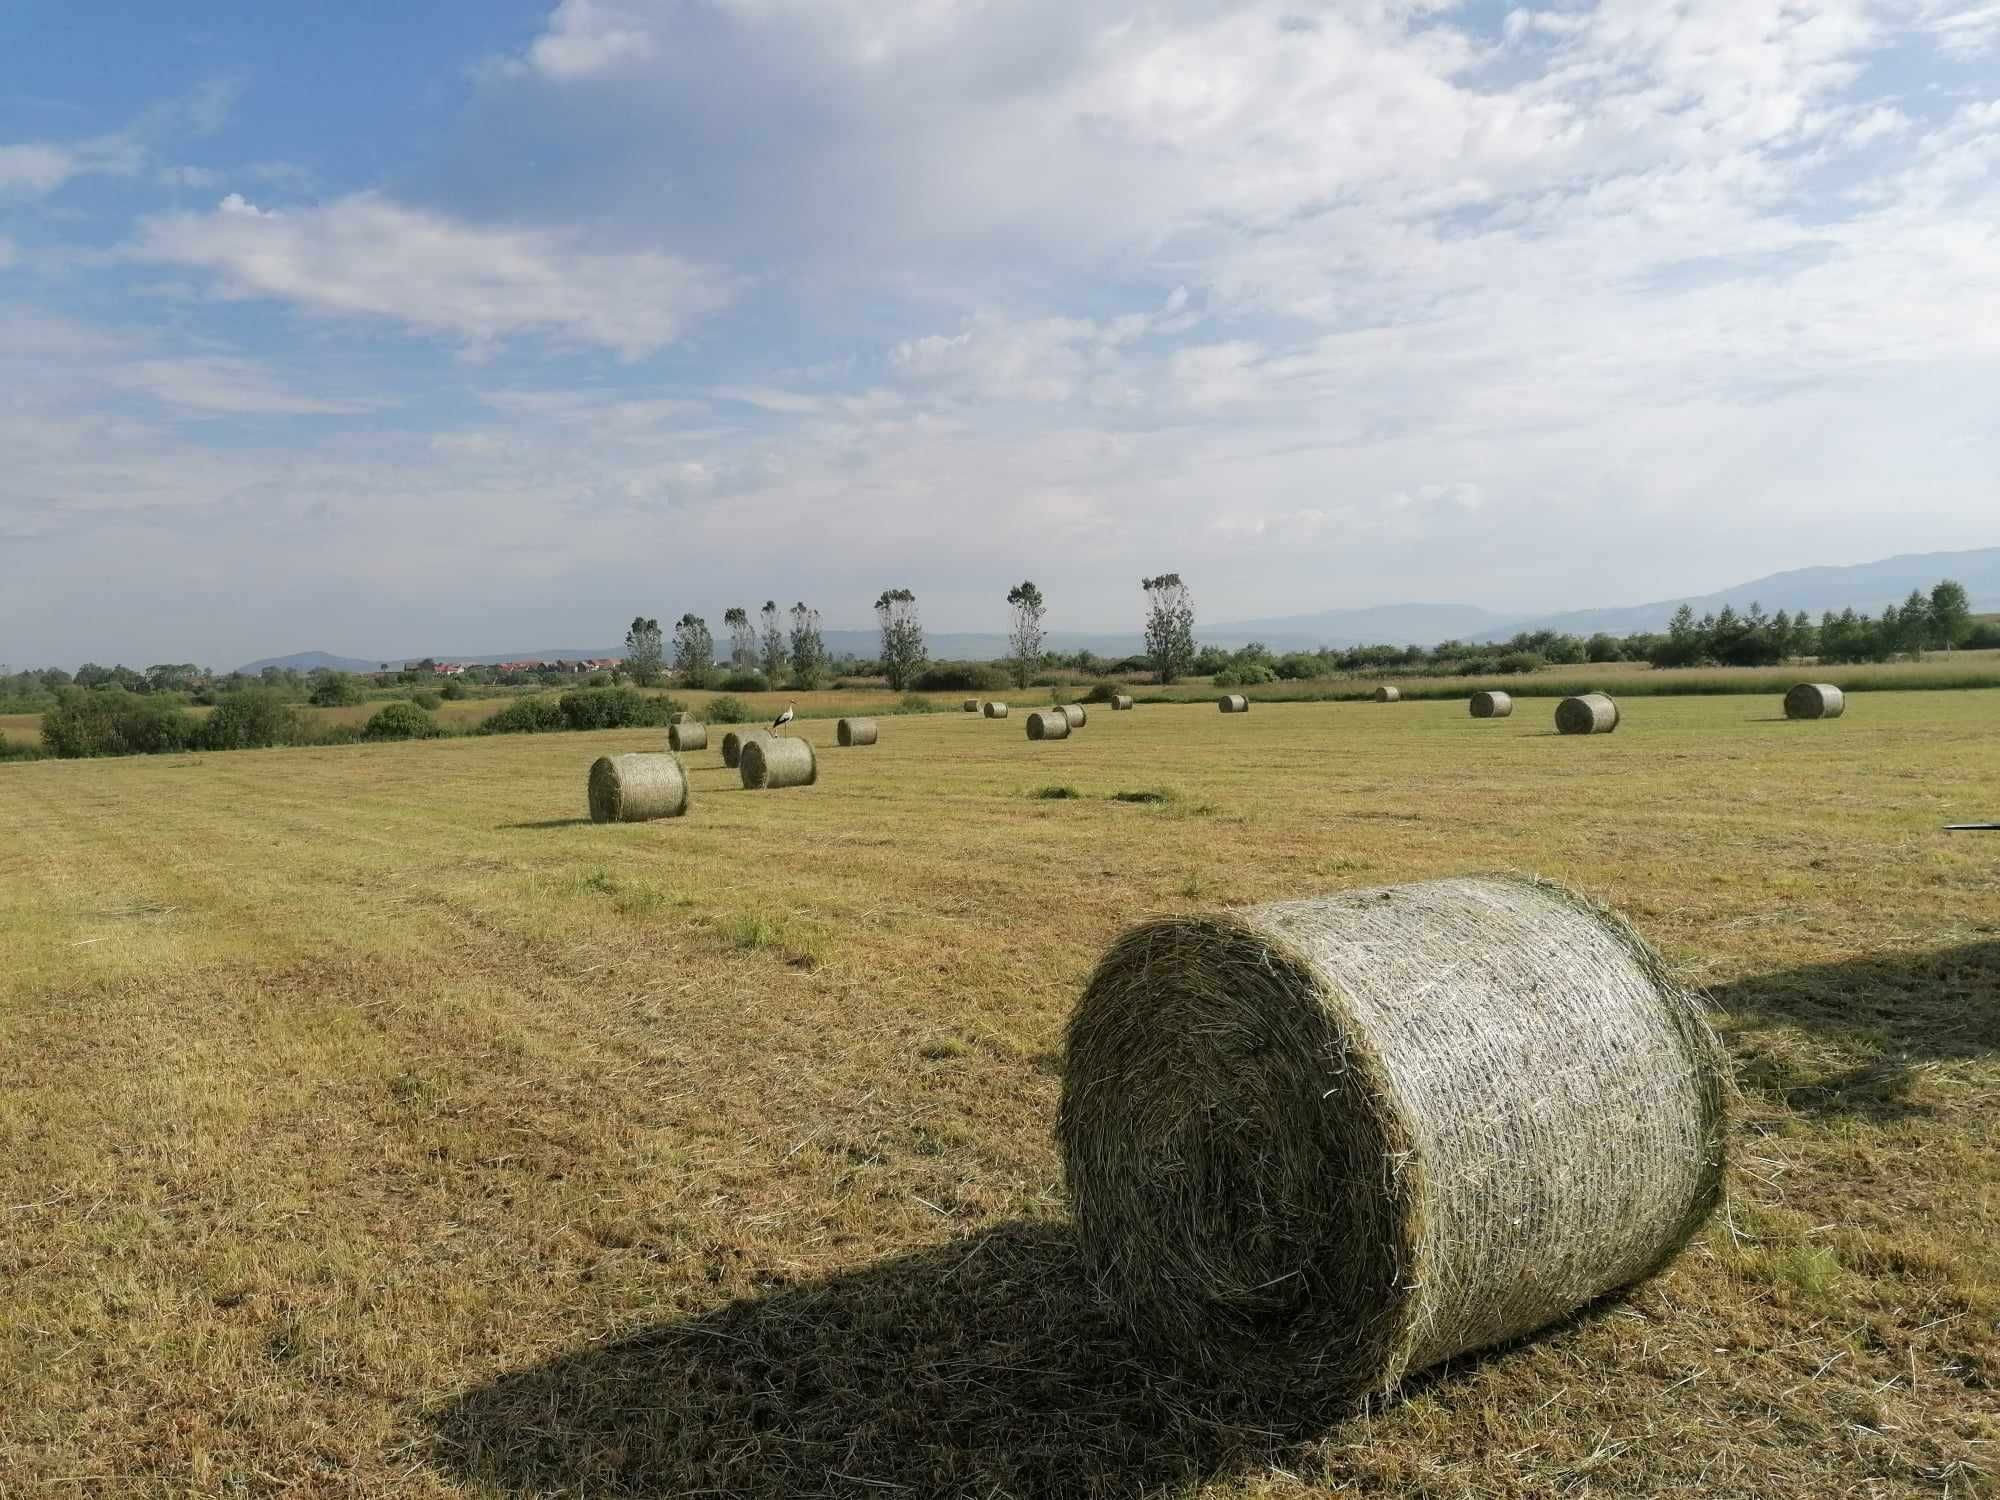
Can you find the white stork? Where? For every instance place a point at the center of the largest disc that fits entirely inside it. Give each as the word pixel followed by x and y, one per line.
pixel 778 724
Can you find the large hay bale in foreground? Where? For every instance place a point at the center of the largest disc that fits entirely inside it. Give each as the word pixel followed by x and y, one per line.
pixel 1591 713
pixel 734 741
pixel 1121 701
pixel 1388 695
pixel 778 762
pixel 1049 724
pixel 971 705
pixel 995 710
pixel 1076 713
pixel 637 788
pixel 687 734
pixel 1492 705
pixel 1815 700
pixel 855 731
pixel 1328 1143
pixel 1233 703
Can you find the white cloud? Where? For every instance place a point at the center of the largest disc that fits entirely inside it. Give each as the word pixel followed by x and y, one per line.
pixel 37 168
pixel 222 385
pixel 370 256
pixel 587 38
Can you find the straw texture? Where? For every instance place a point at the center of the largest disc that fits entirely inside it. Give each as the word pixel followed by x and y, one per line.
pixel 637 788
pixel 733 742
pixel 1492 705
pixel 1121 701
pixel 1049 724
pixel 1388 695
pixel 1593 713
pixel 1076 713
pixel 1233 703
pixel 688 734
pixel 775 762
pixel 1328 1143
pixel 1815 700
pixel 855 731
pixel 995 710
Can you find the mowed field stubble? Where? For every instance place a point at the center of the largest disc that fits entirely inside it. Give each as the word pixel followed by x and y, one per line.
pixel 376 1125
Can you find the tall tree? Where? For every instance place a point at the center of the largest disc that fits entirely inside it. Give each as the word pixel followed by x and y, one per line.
pixel 694 651
pixel 776 653
pixel 742 639
pixel 645 648
pixel 1914 620
pixel 808 648
pixel 1025 639
pixel 1169 626
pixel 1951 613
pixel 903 652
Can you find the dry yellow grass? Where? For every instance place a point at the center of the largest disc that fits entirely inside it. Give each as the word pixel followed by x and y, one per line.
pixel 375 1125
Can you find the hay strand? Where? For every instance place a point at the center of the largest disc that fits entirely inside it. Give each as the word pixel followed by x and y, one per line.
pixel 1077 715
pixel 1121 701
pixel 777 762
pixel 1492 705
pixel 1815 700
pixel 1049 724
pixel 855 732
pixel 1329 1143
pixel 1592 713
pixel 1233 703
pixel 637 788
pixel 995 710
pixel 1388 695
pixel 733 742
pixel 687 734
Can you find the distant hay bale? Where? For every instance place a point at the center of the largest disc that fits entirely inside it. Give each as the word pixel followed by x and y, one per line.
pixel 1121 701
pixel 679 716
pixel 1049 724
pixel 1388 695
pixel 995 710
pixel 687 734
pixel 1233 703
pixel 637 788
pixel 1592 713
pixel 1329 1143
pixel 971 705
pixel 855 731
pixel 1077 715
pixel 1492 705
pixel 776 762
pixel 1815 700
pixel 733 742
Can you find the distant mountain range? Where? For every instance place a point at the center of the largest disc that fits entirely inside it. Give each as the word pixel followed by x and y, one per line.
pixel 1866 586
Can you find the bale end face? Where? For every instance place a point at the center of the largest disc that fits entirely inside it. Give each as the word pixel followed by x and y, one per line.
pixel 995 710
pixel 1591 713
pixel 1233 703
pixel 1815 700
pixel 1050 724
pixel 636 788
pixel 772 763
pixel 687 734
pixel 855 732
pixel 1492 705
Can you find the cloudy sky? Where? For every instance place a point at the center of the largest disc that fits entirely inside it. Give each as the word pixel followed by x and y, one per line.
pixel 488 329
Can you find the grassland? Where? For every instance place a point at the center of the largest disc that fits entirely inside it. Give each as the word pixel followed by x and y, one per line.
pixel 374 1126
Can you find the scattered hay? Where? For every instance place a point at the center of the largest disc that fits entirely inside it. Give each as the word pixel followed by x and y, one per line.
pixel 1077 715
pixel 971 705
pixel 778 762
pixel 995 710
pixel 855 732
pixel 1058 794
pixel 1815 700
pixel 637 788
pixel 1121 701
pixel 1049 724
pixel 1233 703
pixel 1492 705
pixel 687 734
pixel 1147 797
pixel 733 742
pixel 1329 1143
pixel 1592 713
pixel 1388 695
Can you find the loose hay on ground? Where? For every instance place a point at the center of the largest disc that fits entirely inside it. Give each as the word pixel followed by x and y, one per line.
pixel 1815 700
pixel 778 762
pixel 1329 1143
pixel 637 788
pixel 1591 713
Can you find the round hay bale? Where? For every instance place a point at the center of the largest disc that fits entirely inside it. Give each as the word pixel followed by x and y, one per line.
pixel 1233 703
pixel 778 762
pixel 1492 705
pixel 1592 713
pixel 1815 700
pixel 1328 1143
pixel 637 788
pixel 971 705
pixel 1121 701
pixel 1077 715
pixel 1049 724
pixel 855 731
pixel 995 710
pixel 1388 695
pixel 733 742
pixel 687 734
pixel 679 716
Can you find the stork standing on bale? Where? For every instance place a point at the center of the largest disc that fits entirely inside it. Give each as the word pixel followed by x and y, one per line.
pixel 778 724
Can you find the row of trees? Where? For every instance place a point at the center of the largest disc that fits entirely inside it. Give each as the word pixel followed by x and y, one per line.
pixel 768 648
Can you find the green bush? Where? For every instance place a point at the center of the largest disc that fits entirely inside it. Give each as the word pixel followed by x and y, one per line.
pixel 453 689
pixel 400 721
pixel 334 690
pixel 1248 674
pixel 428 702
pixel 615 708
pixel 917 703
pixel 1102 692
pixel 524 716
pixel 1516 662
pixel 962 677
pixel 110 721
pixel 729 710
pixel 745 682
pixel 251 719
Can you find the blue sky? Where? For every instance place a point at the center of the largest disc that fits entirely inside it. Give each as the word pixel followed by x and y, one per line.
pixel 468 327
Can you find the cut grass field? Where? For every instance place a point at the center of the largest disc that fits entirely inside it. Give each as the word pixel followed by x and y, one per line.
pixel 376 1126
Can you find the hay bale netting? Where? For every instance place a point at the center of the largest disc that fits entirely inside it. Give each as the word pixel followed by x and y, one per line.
pixel 1388 695
pixel 1049 724
pixel 1121 701
pixel 995 710
pixel 971 705
pixel 687 734
pixel 1325 1144
pixel 1815 700
pixel 1492 705
pixel 1233 703
pixel 733 742
pixel 637 788
pixel 1076 713
pixel 778 762
pixel 1592 713
pixel 855 731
